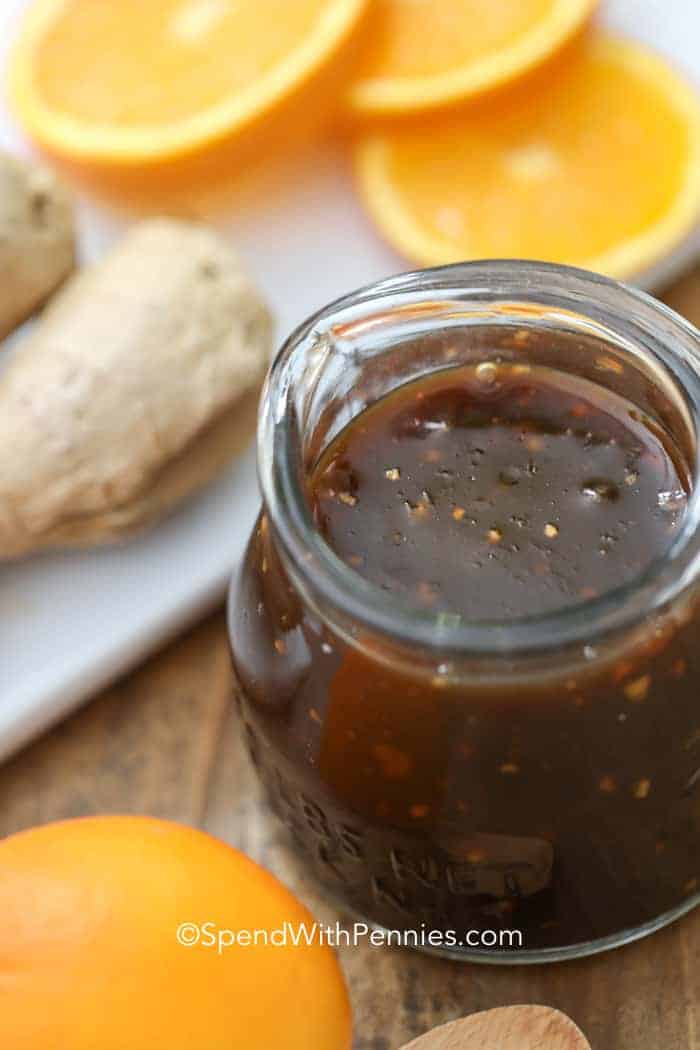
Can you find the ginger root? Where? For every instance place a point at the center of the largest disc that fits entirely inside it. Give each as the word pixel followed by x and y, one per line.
pixel 135 388
pixel 37 239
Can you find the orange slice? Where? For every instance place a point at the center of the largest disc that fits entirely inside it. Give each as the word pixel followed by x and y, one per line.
pixel 137 83
pixel 594 161
pixel 423 53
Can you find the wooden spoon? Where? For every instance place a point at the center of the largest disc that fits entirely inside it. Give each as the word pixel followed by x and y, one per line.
pixel 506 1028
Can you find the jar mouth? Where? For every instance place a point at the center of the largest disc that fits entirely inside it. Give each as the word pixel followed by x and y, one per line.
pixel 515 288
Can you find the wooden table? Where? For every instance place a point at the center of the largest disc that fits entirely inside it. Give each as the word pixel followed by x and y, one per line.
pixel 166 741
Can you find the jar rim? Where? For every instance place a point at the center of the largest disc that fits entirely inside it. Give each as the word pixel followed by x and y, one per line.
pixel 343 596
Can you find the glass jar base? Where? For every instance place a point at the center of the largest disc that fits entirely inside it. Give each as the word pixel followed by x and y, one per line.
pixel 523 957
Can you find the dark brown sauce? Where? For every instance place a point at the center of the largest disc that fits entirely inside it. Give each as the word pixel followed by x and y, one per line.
pixel 498 493
pixel 566 807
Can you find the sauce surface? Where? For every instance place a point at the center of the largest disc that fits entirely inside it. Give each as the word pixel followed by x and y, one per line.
pixel 497 492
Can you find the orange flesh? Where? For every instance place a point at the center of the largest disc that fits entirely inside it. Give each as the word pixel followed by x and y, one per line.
pixel 147 64
pixel 414 38
pixel 580 159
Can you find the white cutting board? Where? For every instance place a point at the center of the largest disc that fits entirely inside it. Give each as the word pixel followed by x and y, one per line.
pixel 71 623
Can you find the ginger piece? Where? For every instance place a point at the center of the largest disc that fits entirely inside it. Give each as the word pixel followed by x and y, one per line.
pixel 37 239
pixel 136 388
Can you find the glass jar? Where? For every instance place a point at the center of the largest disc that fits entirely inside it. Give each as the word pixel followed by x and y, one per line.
pixel 380 731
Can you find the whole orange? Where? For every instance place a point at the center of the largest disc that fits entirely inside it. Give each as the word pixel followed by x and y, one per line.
pixel 116 934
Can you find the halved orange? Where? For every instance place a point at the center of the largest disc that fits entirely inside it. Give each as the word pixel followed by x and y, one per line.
pixel 424 53
pixel 593 161
pixel 134 84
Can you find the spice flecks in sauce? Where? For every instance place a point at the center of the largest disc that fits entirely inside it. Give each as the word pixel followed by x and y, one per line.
pixel 513 493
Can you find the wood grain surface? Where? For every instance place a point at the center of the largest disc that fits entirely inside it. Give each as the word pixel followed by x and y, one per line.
pixel 529 1027
pixel 167 741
